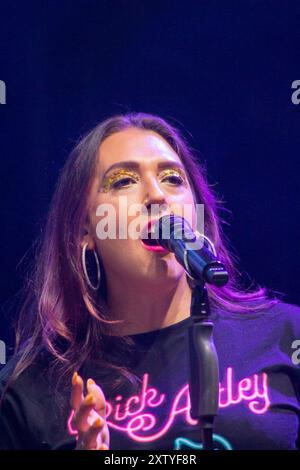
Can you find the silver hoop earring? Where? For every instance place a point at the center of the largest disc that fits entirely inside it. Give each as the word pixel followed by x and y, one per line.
pixel 83 259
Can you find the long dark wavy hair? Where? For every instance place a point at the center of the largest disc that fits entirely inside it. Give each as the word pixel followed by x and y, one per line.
pixel 61 314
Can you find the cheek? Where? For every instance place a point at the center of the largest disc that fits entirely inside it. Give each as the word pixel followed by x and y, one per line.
pixel 193 211
pixel 115 218
pixel 184 206
pixel 110 221
pixel 104 216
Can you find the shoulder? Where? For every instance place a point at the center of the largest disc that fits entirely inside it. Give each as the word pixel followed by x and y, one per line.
pixel 287 314
pixel 6 371
pixel 292 310
pixel 27 391
pixel 255 310
pixel 279 319
pixel 32 412
pixel 288 318
pixel 37 371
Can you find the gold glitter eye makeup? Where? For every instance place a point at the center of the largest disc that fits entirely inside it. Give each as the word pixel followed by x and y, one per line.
pixel 117 179
pixel 122 178
pixel 176 177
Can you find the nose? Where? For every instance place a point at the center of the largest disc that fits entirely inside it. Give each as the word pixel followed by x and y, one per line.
pixel 154 195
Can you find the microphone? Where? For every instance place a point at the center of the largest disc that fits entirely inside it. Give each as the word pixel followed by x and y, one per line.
pixel 175 234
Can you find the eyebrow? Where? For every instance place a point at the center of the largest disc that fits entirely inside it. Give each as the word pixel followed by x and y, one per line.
pixel 133 165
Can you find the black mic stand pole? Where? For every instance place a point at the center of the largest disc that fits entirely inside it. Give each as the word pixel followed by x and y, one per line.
pixel 204 364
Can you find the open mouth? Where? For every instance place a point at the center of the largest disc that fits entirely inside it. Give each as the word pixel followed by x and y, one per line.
pixel 150 243
pixel 152 247
pixel 148 240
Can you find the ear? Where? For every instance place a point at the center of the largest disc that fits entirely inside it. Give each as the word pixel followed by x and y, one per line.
pixel 87 238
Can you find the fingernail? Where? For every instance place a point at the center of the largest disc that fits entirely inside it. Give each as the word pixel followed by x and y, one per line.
pixel 74 378
pixel 97 422
pixel 89 399
pixel 91 382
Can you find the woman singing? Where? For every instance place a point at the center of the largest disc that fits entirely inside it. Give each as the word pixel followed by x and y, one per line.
pixel 101 356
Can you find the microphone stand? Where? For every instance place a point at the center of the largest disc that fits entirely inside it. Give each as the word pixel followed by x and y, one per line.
pixel 203 358
pixel 204 364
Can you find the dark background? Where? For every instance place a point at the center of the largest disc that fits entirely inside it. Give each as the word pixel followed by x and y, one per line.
pixel 221 70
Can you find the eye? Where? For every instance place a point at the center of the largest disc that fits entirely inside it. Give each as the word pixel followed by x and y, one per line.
pixel 122 183
pixel 177 180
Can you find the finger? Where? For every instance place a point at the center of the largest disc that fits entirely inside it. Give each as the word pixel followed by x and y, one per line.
pixel 91 440
pixel 105 436
pixel 77 391
pixel 80 419
pixel 104 447
pixel 98 395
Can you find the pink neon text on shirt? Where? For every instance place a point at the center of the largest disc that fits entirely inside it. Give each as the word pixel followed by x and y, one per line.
pixel 252 390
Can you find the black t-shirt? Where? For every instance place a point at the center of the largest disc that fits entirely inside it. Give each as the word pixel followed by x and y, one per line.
pixel 259 401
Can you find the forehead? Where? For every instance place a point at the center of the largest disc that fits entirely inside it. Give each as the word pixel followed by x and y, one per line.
pixel 135 144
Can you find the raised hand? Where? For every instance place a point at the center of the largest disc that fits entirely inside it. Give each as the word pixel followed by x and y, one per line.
pixel 87 419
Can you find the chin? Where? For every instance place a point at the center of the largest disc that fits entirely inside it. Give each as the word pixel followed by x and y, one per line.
pixel 165 272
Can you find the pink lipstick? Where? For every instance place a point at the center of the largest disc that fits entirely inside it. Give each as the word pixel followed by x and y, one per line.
pixel 148 242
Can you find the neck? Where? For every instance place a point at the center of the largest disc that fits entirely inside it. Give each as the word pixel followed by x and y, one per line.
pixel 147 308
